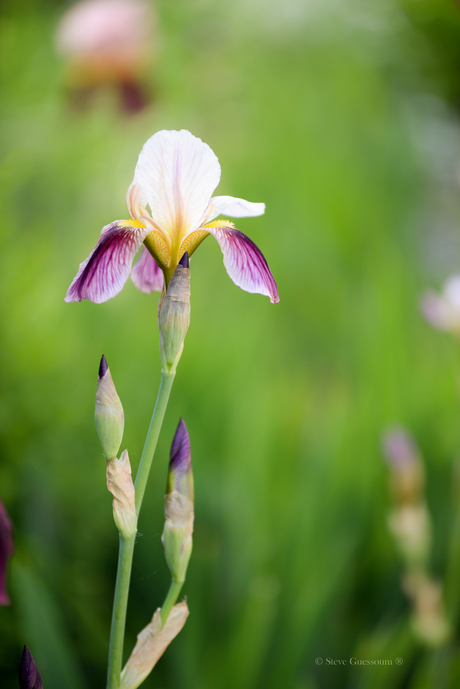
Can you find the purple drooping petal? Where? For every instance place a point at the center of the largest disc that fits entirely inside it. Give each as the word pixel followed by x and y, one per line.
pixel 180 464
pixel 245 263
pixel 29 676
pixel 105 271
pixel 147 276
pixel 6 548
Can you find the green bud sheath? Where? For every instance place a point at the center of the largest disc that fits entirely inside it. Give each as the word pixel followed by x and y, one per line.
pixel 120 484
pixel 174 316
pixel 109 416
pixel 177 534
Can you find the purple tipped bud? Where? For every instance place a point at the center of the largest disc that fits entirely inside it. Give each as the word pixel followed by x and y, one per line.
pixel 29 676
pixel 184 262
pixel 103 367
pixel 399 448
pixel 407 476
pixel 6 549
pixel 177 534
pixel 180 476
pixel 109 416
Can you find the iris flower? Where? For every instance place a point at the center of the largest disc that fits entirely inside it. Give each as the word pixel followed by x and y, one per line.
pixel 175 176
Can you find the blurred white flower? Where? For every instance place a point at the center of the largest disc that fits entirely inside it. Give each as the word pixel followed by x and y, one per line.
pixel 442 310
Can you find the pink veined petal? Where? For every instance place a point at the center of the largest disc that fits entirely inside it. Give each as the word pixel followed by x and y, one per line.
pixel 245 263
pixel 147 276
pixel 105 271
pixel 178 173
pixel 235 208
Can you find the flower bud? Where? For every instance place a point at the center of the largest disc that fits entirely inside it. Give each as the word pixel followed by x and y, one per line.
pixel 410 526
pixel 177 533
pixel 109 416
pixel 428 615
pixel 174 315
pixel 29 676
pixel 120 484
pixel 151 644
pixel 407 475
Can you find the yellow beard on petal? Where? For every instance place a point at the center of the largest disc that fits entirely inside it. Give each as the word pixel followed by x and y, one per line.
pixel 219 223
pixel 193 240
pixel 159 249
pixel 130 223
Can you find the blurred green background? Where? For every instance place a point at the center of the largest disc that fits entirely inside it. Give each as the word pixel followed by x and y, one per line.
pixel 343 116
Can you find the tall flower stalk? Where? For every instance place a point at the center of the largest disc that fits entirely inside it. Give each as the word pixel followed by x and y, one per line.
pixel 171 211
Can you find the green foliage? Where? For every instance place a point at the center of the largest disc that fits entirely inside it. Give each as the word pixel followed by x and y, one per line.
pixel 341 117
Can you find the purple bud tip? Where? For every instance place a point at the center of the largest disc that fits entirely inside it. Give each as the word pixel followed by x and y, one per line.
pixel 184 262
pixel 103 367
pixel 180 477
pixel 180 456
pixel 399 448
pixel 29 676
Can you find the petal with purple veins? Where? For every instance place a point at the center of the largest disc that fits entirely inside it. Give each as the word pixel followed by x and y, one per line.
pixel 245 263
pixel 147 276
pixel 105 271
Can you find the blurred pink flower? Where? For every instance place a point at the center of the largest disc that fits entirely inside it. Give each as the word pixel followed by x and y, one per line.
pixel 175 175
pixel 107 42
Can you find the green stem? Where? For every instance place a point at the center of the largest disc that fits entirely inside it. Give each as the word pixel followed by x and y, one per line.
pixel 120 604
pixel 170 600
pixel 125 556
pixel 152 437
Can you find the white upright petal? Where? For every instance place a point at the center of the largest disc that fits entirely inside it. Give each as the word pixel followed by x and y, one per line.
pixel 136 201
pixel 235 208
pixel 178 173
